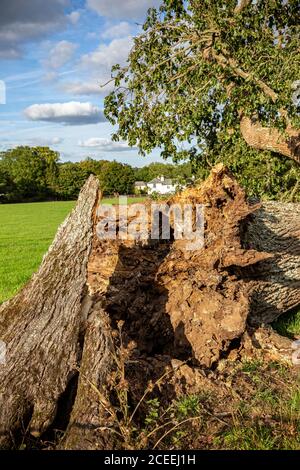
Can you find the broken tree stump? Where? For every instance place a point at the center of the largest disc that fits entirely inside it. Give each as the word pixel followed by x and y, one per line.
pixel 176 304
pixel 208 301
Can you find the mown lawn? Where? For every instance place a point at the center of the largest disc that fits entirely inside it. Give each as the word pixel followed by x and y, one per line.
pixel 26 232
pixel 115 200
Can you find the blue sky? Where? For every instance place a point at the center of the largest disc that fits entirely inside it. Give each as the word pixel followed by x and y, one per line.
pixel 53 57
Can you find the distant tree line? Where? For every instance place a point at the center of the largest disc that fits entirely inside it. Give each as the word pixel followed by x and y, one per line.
pixel 37 174
pixel 29 174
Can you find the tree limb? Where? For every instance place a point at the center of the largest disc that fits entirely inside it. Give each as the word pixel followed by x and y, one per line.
pixel 265 138
pixel 229 62
pixel 242 4
pixel 257 136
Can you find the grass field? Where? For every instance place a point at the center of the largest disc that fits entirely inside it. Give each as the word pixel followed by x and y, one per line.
pixel 26 231
pixel 115 200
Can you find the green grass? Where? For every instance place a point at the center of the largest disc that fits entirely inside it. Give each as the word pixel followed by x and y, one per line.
pixel 249 438
pixel 115 200
pixel 26 232
pixel 288 324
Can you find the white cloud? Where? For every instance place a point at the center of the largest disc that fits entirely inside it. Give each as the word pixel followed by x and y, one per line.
pixel 122 9
pixel 87 88
pixel 56 140
pixel 45 142
pixel 92 35
pixel 74 17
pixel 98 63
pixel 60 54
pixel 117 31
pixel 105 144
pixel 50 76
pixel 106 55
pixel 72 113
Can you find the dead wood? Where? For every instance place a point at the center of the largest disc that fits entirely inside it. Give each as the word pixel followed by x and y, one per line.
pixel 177 305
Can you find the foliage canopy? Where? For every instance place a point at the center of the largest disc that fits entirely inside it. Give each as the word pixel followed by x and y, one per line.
pixel 198 70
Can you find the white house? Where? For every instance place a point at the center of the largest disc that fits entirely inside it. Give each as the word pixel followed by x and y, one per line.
pixel 161 185
pixel 140 185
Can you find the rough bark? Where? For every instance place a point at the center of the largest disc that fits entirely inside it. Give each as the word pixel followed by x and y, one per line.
pixel 88 428
pixel 241 5
pixel 265 138
pixel 275 283
pixel 41 327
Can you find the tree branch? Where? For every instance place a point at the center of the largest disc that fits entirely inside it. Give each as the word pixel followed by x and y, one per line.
pixel 242 4
pixel 224 62
pixel 255 135
pixel 265 138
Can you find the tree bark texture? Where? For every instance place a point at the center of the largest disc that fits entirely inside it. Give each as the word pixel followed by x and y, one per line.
pixel 265 138
pixel 274 283
pixel 41 327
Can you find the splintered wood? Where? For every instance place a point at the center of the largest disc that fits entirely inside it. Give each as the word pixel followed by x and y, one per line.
pixel 173 299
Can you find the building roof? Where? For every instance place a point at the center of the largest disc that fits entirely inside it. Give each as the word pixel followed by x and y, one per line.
pixel 140 183
pixel 155 180
pixel 165 182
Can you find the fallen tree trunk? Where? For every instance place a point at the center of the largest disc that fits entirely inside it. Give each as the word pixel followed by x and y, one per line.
pixel 176 304
pixel 41 327
pixel 275 283
pixel 90 413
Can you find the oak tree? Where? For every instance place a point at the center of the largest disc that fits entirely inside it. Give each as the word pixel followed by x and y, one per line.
pixel 215 80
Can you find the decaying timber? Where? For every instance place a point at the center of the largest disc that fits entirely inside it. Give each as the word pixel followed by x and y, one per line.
pixel 176 305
